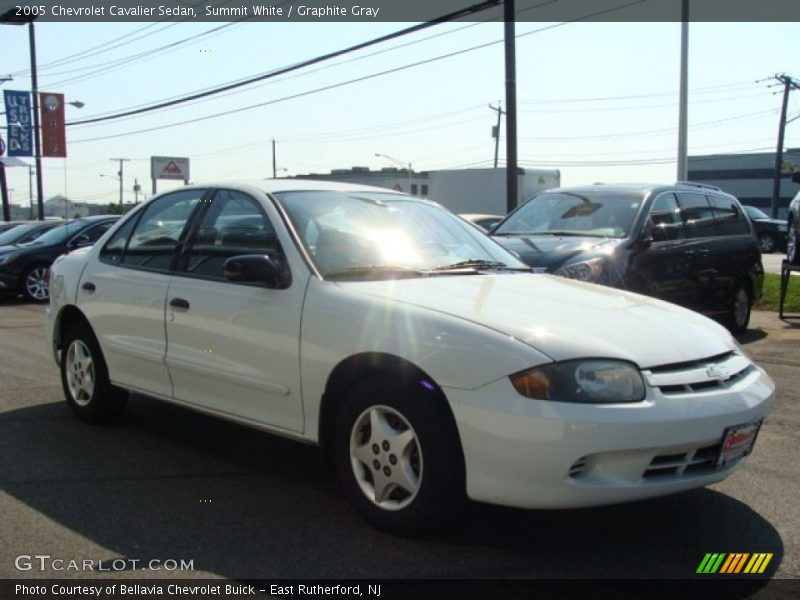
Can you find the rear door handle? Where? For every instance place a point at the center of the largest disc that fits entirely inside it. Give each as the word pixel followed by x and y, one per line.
pixel 88 287
pixel 179 303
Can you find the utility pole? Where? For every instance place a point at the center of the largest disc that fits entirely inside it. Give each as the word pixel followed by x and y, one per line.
pixel 788 85
pixel 511 106
pixel 274 170
pixel 30 187
pixel 136 189
pixel 37 144
pixel 683 104
pixel 496 130
pixel 122 161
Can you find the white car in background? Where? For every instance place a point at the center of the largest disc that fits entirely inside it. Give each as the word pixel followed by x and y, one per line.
pixel 428 362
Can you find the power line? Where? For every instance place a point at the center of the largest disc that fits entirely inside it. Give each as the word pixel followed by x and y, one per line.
pixel 116 63
pixel 332 65
pixel 343 83
pixel 449 17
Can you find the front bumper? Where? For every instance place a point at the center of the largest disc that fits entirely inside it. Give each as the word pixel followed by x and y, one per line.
pixel 542 454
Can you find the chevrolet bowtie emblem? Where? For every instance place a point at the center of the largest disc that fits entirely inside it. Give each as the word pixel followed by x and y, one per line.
pixel 717 372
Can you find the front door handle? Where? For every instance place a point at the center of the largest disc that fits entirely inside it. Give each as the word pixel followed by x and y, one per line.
pixel 88 287
pixel 179 303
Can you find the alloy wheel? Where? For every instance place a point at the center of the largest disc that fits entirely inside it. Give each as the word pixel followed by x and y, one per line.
pixel 767 243
pixel 36 283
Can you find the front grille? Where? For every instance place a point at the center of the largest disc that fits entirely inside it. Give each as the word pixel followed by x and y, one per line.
pixel 691 462
pixel 698 376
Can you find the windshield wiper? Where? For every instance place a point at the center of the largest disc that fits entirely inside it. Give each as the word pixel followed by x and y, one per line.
pixel 477 263
pixel 375 270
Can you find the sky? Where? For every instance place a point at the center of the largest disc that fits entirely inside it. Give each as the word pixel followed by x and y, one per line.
pixel 599 101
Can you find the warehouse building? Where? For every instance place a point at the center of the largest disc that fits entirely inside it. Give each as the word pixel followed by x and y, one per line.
pixel 749 177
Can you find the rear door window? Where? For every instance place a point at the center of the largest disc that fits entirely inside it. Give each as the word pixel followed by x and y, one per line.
pixel 729 216
pixel 698 216
pixel 153 242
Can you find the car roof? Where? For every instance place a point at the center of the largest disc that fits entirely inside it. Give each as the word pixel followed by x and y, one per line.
pixel 641 188
pixel 295 185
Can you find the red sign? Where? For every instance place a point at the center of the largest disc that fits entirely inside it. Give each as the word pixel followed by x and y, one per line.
pixel 51 109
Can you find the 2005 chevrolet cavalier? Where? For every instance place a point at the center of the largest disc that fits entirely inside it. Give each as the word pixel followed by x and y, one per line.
pixel 425 359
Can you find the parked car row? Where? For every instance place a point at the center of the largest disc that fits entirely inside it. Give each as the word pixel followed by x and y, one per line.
pixel 28 250
pixel 427 361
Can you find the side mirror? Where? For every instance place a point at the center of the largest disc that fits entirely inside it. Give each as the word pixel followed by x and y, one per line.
pixel 796 176
pixel 262 269
pixel 80 241
pixel 647 237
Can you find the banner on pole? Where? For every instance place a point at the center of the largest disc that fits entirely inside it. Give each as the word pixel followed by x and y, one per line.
pixel 54 141
pixel 18 120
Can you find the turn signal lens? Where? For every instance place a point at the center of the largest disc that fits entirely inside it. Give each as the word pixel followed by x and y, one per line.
pixel 533 384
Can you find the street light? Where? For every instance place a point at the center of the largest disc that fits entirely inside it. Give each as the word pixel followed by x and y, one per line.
pixel 397 161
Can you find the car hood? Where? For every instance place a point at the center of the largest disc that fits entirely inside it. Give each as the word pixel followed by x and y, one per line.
pixel 549 252
pixel 563 318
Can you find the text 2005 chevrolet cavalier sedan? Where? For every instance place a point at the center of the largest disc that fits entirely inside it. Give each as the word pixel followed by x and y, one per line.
pixel 427 361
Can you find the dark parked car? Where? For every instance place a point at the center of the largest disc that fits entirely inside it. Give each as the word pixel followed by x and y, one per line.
pixel 24 268
pixel 26 231
pixel 6 225
pixel 771 233
pixel 686 243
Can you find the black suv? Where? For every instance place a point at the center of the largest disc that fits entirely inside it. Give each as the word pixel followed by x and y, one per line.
pixel 24 268
pixel 686 243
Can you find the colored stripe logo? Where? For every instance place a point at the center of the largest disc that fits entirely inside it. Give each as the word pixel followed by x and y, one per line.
pixel 734 563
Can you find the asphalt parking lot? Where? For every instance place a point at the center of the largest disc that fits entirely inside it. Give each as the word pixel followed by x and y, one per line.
pixel 165 483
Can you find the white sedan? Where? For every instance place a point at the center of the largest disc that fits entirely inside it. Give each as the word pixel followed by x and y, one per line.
pixel 427 361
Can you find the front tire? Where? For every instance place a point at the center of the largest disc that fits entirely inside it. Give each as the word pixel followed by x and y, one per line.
pixel 84 377
pixel 398 457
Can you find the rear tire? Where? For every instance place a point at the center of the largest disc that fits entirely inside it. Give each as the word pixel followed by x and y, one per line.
pixel 767 243
pixel 35 284
pixel 398 457
pixel 84 377
pixel 741 306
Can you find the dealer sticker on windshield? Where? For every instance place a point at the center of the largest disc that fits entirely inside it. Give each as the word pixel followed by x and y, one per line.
pixel 737 442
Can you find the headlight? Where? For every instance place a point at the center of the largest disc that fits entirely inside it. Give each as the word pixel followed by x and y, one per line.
pixel 783 227
pixel 587 270
pixel 591 381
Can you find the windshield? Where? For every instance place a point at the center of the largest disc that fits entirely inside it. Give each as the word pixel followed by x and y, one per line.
pixel 60 234
pixel 755 213
pixel 593 214
pixel 374 235
pixel 22 234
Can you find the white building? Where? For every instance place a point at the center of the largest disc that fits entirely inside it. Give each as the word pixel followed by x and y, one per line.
pixel 460 190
